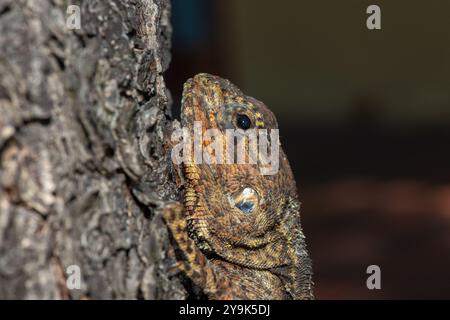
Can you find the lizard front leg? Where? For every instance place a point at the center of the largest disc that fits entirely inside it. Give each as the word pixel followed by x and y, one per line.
pixel 194 265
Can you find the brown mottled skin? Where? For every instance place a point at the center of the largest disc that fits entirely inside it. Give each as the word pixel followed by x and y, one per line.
pixel 226 253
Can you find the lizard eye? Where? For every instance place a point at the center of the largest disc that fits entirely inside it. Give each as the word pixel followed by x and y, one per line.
pixel 243 122
pixel 246 200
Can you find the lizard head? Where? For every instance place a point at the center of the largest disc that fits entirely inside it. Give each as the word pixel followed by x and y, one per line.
pixel 233 210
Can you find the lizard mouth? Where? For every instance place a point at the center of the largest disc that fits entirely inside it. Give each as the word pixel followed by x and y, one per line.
pixel 196 108
pixel 194 105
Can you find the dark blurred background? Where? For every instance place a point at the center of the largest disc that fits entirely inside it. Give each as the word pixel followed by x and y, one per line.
pixel 364 118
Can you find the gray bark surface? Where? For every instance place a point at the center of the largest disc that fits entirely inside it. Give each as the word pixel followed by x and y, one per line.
pixel 83 117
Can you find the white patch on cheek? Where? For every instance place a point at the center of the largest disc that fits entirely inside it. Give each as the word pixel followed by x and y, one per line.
pixel 231 201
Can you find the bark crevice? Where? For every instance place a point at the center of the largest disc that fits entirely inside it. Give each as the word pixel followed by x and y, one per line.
pixel 83 119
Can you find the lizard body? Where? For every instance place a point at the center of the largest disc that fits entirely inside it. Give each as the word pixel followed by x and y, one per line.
pixel 238 231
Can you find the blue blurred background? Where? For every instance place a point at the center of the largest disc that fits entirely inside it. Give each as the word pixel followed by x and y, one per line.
pixel 364 118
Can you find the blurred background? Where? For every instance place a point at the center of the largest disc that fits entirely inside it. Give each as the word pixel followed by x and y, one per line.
pixel 364 119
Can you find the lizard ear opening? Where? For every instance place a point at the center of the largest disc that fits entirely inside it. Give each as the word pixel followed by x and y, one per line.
pixel 245 200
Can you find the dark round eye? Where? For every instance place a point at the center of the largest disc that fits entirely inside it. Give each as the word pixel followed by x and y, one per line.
pixel 243 121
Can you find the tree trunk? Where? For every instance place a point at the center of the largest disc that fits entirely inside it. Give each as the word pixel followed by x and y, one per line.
pixel 83 117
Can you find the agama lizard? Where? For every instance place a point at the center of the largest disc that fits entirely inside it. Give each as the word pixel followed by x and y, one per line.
pixel 238 231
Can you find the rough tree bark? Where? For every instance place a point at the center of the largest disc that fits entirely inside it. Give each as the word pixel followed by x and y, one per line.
pixel 83 116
